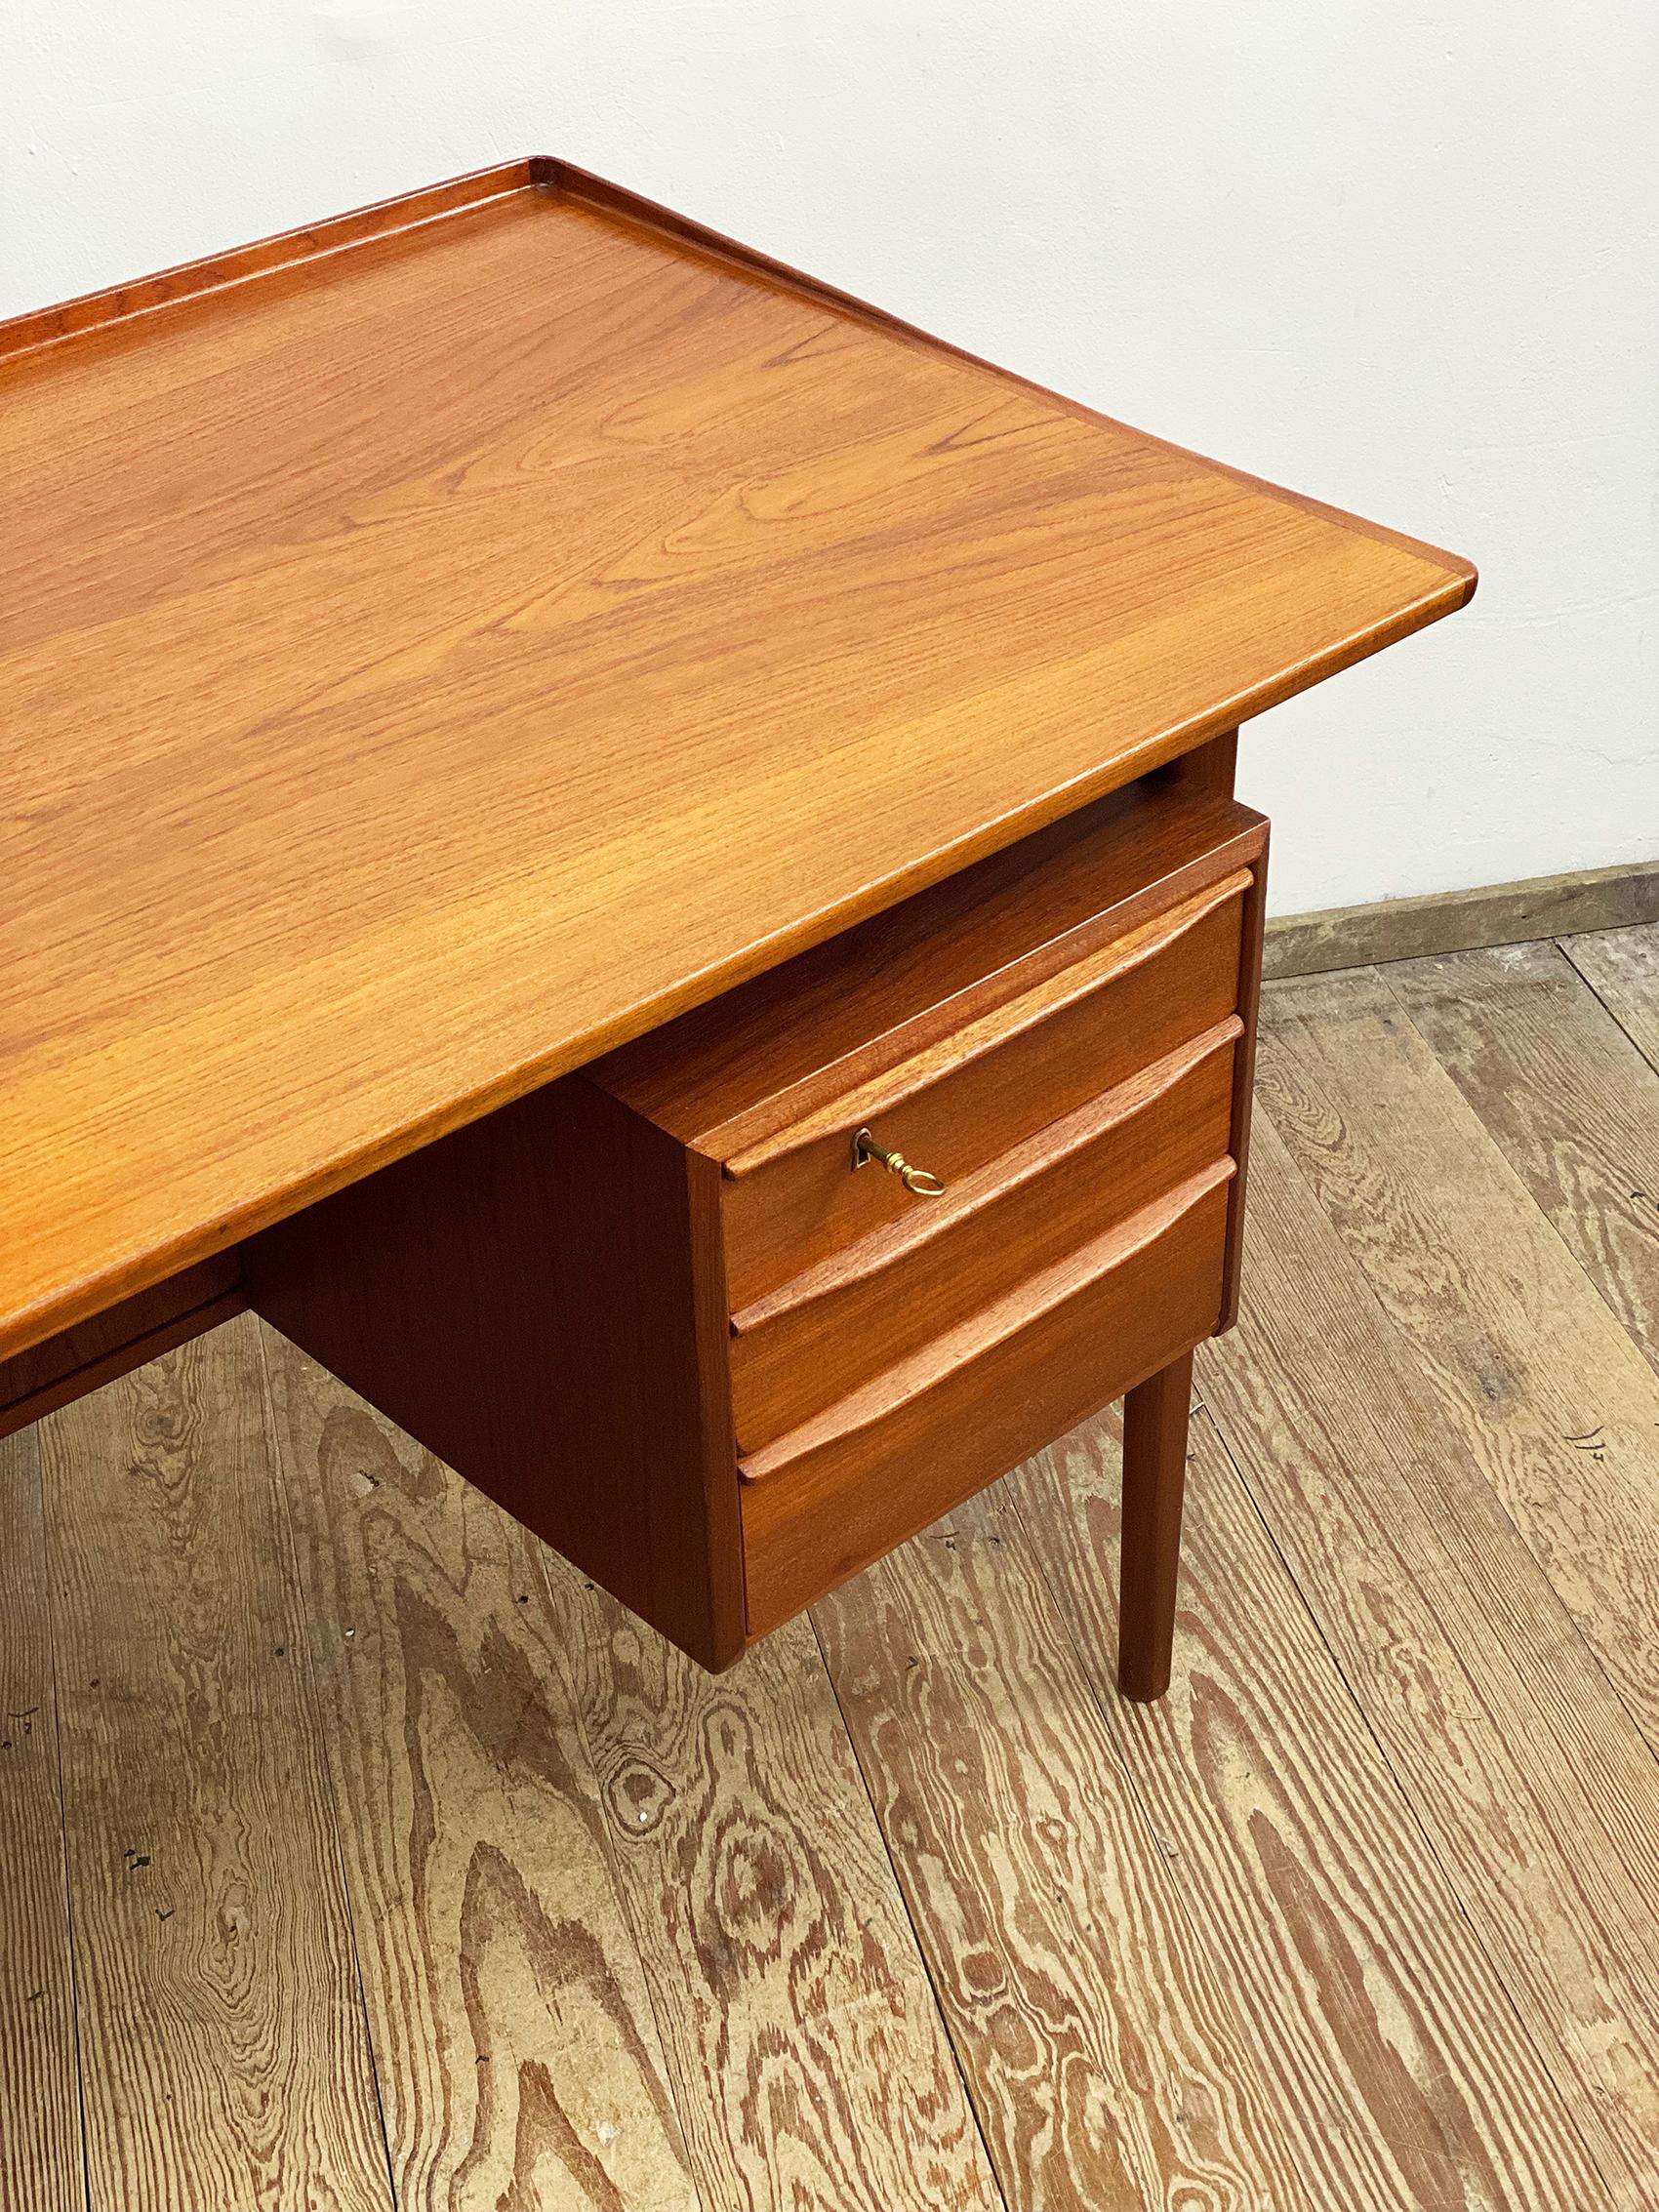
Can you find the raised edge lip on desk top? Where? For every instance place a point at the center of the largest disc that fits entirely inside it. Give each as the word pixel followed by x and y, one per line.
pixel 65 320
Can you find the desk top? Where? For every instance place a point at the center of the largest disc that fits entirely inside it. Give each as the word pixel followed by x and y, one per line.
pixel 441 644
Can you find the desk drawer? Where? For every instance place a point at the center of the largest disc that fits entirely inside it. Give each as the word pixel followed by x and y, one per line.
pixel 835 1494
pixel 825 1332
pixel 964 1099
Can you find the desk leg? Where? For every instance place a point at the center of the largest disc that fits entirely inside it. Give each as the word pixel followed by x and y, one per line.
pixel 1154 1480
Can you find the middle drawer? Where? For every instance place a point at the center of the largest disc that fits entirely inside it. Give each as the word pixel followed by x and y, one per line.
pixel 798 1348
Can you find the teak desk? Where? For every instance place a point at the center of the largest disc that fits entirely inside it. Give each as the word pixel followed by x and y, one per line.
pixel 644 859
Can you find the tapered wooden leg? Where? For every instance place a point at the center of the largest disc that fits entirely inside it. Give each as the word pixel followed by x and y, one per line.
pixel 1154 1480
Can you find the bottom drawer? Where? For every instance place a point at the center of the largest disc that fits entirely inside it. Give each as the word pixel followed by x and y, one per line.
pixel 826 1500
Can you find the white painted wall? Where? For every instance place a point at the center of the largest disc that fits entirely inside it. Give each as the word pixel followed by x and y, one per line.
pixel 1402 254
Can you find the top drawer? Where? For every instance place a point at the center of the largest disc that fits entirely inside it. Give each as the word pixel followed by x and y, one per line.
pixel 956 1105
pixel 954 1026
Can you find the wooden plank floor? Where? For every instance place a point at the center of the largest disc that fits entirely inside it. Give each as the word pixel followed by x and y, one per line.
pixel 355 1852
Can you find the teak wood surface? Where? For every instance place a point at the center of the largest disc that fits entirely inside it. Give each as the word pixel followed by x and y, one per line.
pixel 442 644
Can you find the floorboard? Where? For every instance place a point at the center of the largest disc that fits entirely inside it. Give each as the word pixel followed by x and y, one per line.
pixel 810 2064
pixel 1622 967
pixel 514 2039
pixel 1097 2032
pixel 40 2142
pixel 224 2057
pixel 1371 2004
pixel 1545 1388
pixel 1531 1782
pixel 1567 1097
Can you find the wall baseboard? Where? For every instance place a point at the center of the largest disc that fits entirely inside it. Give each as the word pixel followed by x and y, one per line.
pixel 1462 921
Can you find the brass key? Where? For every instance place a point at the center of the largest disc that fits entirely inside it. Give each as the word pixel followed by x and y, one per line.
pixel 915 1179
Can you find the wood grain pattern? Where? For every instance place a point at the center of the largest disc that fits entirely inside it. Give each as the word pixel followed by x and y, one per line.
pixel 1078 1274
pixel 809 2060
pixel 1534 1786
pixel 224 2057
pixel 1366 1998
pixel 1622 968
pixel 292 568
pixel 1107 2064
pixel 516 2048
pixel 589 190
pixel 1566 1096
pixel 1552 1399
pixel 40 2107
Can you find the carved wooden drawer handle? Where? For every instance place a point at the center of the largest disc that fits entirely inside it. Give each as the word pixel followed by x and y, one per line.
pixel 915 1179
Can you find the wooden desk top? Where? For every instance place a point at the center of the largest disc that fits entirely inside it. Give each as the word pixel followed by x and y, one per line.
pixel 439 645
